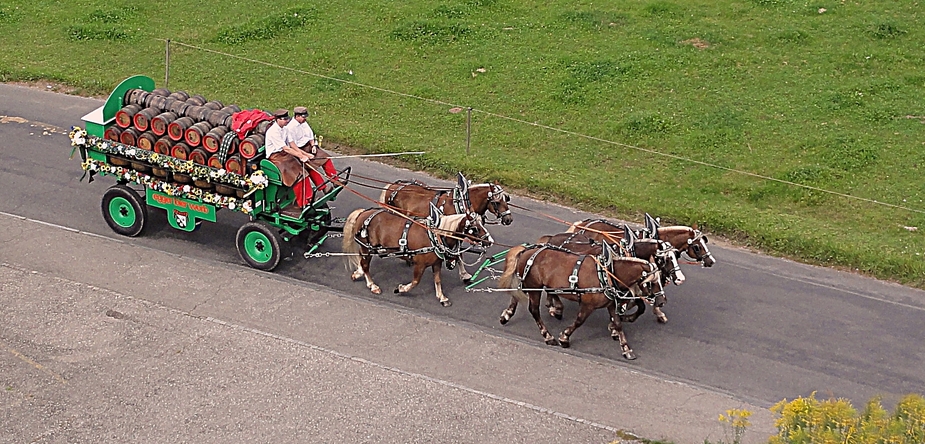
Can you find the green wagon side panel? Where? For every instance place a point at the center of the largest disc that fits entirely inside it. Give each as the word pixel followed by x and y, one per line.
pixel 181 213
pixel 114 103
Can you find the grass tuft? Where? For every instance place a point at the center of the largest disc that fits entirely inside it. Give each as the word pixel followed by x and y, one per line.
pixel 265 28
pixel 430 32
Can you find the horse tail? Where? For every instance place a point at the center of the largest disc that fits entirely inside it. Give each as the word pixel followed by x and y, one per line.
pixel 509 279
pixel 349 244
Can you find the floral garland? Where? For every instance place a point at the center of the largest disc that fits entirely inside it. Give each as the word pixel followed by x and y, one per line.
pixel 256 181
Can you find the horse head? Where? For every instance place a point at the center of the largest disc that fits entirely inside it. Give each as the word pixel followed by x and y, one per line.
pixel 473 231
pixel 643 278
pixel 490 197
pixel 667 259
pixel 697 248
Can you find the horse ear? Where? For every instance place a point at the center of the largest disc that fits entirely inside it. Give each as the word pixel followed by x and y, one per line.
pixel 463 186
pixel 652 226
pixel 695 226
pixel 434 216
pixel 607 254
pixel 629 238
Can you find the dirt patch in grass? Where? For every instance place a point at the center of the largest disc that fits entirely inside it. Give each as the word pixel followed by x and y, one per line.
pixel 697 42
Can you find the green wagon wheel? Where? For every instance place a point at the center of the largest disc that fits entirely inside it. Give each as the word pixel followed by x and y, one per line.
pixel 124 210
pixel 259 245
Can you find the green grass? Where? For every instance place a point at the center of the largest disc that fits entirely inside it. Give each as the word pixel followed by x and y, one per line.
pixel 678 98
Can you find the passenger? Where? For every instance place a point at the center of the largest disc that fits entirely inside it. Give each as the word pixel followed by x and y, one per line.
pixel 283 152
pixel 304 138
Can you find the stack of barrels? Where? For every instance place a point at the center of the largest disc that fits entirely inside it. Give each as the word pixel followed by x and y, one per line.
pixel 184 126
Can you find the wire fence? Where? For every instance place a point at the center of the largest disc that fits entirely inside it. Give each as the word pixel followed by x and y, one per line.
pixel 455 108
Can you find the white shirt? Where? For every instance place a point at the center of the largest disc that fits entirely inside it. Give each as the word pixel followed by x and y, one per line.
pixel 300 133
pixel 275 139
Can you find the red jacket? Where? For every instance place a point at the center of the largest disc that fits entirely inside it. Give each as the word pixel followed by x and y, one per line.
pixel 244 121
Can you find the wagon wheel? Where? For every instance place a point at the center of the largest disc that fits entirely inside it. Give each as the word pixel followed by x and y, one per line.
pixel 124 210
pixel 259 245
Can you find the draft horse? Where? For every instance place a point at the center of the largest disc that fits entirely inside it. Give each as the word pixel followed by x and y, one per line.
pixel 414 198
pixel 422 242
pixel 593 281
pixel 687 240
pixel 660 252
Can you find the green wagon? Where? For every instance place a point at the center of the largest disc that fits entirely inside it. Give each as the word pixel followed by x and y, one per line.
pixel 191 192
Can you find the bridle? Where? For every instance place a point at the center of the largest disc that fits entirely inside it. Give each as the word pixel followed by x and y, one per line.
pixel 496 196
pixel 698 243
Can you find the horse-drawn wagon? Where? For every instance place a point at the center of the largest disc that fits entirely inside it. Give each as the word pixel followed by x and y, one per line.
pixel 193 189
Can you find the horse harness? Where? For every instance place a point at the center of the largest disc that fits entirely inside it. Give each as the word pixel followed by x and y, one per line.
pixel 495 195
pixel 437 245
pixel 458 203
pixel 612 292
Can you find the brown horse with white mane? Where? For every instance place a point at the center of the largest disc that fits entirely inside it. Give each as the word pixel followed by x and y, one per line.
pixel 414 198
pixel 652 250
pixel 593 281
pixel 422 242
pixel 685 239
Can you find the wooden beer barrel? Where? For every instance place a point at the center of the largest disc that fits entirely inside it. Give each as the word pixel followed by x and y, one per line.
pixel 262 127
pixel 129 136
pixel 163 145
pixel 134 96
pixel 159 122
pixel 217 118
pixel 196 100
pixel 180 150
pixel 112 133
pixel 193 134
pixel 214 105
pixel 234 164
pixel 215 162
pixel 142 119
pixel 124 115
pixel 250 146
pixel 231 109
pixel 157 102
pixel 213 139
pixel 146 140
pixel 161 92
pixel 180 95
pixel 177 129
pixel 199 156
pixel 178 107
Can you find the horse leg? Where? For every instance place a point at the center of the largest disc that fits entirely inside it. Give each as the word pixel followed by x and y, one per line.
pixel 554 304
pixel 508 313
pixel 464 275
pixel 364 271
pixel 535 311
pixel 444 301
pixel 584 310
pixel 616 332
pixel 659 315
pixel 416 274
pixel 640 309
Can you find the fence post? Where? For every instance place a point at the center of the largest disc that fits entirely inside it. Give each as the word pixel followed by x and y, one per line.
pixel 468 128
pixel 167 65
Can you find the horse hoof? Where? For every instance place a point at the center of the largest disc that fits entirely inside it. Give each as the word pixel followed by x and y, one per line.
pixel 376 290
pixel 467 281
pixel 557 316
pixel 615 337
pixel 446 303
pixel 503 320
pixel 565 344
pixel 396 291
pixel 629 355
pixel 662 320
pixel 552 341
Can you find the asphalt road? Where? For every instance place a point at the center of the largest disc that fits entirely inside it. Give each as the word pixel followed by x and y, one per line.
pixel 757 328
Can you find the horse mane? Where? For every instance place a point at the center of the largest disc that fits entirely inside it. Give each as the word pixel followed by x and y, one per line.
pixel 631 259
pixel 678 228
pixel 450 222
